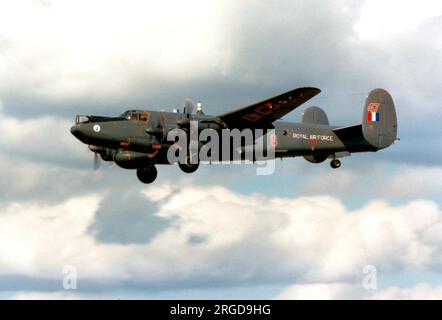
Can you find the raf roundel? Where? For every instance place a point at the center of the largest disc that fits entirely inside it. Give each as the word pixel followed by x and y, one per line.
pixel 97 128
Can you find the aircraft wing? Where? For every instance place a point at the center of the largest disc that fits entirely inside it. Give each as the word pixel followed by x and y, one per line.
pixel 263 114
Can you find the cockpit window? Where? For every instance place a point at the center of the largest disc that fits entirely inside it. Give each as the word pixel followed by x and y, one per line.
pixel 125 115
pixel 136 115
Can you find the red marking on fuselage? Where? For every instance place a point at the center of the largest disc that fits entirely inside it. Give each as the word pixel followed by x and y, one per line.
pixel 274 140
pixel 151 155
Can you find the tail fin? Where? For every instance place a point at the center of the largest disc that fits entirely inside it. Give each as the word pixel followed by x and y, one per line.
pixel 314 115
pixel 379 122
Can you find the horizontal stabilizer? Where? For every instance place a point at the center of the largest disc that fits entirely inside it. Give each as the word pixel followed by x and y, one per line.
pixel 353 138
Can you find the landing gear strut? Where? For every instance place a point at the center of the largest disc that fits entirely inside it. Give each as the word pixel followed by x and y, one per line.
pixel 335 163
pixel 147 175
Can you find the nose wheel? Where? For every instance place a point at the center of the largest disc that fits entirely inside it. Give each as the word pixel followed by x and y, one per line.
pixel 335 163
pixel 147 175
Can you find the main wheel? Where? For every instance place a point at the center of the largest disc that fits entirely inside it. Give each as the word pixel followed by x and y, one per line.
pixel 188 167
pixel 147 175
pixel 335 164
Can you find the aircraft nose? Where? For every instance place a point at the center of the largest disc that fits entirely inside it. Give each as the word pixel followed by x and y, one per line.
pixel 76 131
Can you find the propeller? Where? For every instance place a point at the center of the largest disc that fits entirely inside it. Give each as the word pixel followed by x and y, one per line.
pixel 189 106
pixel 97 161
pixel 97 158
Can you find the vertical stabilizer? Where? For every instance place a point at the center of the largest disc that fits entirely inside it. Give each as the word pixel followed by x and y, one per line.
pixel 379 122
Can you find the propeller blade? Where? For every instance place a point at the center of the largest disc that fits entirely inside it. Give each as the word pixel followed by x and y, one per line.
pixel 189 105
pixel 97 161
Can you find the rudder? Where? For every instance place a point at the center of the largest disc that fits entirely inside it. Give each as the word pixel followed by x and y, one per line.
pixel 379 122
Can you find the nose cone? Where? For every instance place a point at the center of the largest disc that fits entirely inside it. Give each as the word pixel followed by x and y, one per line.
pixel 77 132
pixel 81 132
pixel 88 133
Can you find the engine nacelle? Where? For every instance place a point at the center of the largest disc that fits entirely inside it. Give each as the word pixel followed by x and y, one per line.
pixel 316 158
pixel 133 160
pixel 107 155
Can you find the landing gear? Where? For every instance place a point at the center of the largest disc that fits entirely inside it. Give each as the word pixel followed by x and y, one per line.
pixel 335 163
pixel 188 167
pixel 147 175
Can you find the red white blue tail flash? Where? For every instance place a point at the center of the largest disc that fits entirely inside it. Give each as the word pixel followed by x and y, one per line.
pixel 374 116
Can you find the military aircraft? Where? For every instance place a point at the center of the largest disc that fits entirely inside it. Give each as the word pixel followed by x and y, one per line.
pixel 137 139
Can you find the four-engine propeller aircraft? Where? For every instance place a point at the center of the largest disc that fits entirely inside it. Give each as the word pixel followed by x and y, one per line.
pixel 138 138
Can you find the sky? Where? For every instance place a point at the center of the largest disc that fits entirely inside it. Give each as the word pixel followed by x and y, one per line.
pixel 223 232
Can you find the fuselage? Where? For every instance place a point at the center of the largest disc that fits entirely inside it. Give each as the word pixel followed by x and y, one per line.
pixel 146 132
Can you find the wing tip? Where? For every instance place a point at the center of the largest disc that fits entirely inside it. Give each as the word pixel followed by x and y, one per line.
pixel 305 91
pixel 312 89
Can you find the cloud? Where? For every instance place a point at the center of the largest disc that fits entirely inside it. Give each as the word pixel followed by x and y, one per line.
pixel 215 228
pixel 42 139
pixel 60 295
pixel 365 179
pixel 225 53
pixel 110 50
pixel 318 291
pixel 312 239
pixel 421 291
pixel 127 221
pixel 381 20
pixel 321 291
pixel 342 291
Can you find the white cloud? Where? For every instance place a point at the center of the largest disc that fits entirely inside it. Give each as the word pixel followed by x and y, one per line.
pixel 316 291
pixel 421 291
pixel 384 19
pixel 43 236
pixel 68 49
pixel 105 50
pixel 380 179
pixel 45 139
pixel 57 295
pixel 340 291
pixel 244 238
pixel 320 291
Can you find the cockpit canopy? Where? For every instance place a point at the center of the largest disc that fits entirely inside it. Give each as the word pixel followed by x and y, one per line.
pixel 136 115
pixel 81 119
